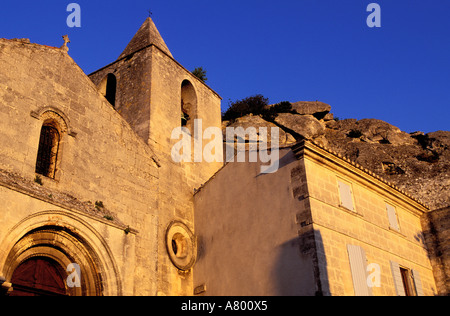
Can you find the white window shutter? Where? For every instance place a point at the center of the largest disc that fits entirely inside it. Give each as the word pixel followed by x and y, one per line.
pixel 392 215
pixel 417 282
pixel 345 192
pixel 397 276
pixel 358 266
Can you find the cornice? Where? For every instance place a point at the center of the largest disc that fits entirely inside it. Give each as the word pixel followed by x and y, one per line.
pixel 324 155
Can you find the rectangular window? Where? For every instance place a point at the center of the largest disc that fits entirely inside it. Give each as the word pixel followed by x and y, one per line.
pixel 407 282
pixel 392 216
pixel 346 195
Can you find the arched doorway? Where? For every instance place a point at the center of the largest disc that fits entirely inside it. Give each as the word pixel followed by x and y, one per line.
pixel 68 240
pixel 39 276
pixel 38 263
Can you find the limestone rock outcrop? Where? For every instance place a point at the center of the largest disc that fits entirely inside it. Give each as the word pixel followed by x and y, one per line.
pixel 256 121
pixel 318 109
pixel 306 126
pixel 416 162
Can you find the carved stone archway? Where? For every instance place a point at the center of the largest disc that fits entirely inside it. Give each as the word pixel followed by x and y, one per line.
pixel 67 241
pixel 64 248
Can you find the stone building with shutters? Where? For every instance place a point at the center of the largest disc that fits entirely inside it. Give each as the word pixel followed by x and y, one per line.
pixel 320 225
pixel 93 202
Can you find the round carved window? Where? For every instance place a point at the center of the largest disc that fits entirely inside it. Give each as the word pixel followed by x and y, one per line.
pixel 180 244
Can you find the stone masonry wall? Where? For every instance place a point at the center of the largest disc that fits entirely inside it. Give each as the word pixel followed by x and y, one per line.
pixel 101 157
pixel 248 240
pixel 367 227
pixel 436 226
pixel 133 75
pixel 149 83
pixel 179 180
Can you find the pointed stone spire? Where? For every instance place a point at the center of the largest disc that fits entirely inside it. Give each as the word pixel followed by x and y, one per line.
pixel 147 35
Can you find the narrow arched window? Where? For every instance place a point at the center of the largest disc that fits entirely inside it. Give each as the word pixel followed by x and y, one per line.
pixel 48 151
pixel 188 104
pixel 111 86
pixel 108 88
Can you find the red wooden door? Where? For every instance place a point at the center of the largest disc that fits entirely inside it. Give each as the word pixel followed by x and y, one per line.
pixel 39 276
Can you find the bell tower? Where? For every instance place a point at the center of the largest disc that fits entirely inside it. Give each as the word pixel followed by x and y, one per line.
pixel 155 94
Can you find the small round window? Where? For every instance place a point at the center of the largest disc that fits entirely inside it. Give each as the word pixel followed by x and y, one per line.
pixel 180 244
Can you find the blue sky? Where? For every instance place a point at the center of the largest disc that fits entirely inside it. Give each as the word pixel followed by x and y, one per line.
pixel 286 50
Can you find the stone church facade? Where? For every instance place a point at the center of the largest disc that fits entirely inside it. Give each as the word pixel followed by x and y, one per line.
pixel 93 203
